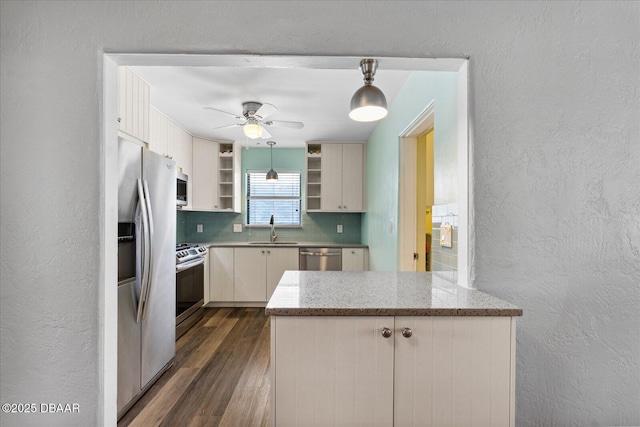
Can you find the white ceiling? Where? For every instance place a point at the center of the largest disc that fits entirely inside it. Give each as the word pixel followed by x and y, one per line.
pixel 317 97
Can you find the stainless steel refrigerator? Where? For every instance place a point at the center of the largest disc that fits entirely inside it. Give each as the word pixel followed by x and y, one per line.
pixel 146 270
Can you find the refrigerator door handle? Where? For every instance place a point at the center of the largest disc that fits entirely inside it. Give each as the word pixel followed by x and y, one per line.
pixel 147 199
pixel 146 259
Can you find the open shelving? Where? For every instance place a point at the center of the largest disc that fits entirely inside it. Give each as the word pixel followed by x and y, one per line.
pixel 314 176
pixel 228 169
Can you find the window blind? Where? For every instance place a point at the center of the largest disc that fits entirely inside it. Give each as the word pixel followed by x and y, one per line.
pixel 281 198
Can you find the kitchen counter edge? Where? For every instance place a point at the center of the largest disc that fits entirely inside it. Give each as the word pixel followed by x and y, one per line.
pixel 280 245
pixel 370 293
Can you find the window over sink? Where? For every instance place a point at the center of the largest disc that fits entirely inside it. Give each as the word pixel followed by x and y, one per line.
pixel 281 198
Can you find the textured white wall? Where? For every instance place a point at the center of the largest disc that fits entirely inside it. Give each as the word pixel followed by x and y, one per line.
pixel 557 161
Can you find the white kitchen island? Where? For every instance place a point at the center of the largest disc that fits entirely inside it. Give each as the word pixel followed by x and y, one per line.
pixel 389 349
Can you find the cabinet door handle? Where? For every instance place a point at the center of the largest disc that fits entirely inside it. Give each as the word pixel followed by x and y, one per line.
pixel 263 251
pixel 407 332
pixel 386 332
pixel 269 252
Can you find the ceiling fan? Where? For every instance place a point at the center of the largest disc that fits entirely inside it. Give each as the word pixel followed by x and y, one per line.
pixel 253 119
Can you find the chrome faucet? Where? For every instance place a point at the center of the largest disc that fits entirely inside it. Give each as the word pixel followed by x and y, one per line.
pixel 274 235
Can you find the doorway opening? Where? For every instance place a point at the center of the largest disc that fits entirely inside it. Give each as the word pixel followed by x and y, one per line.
pixel 423 254
pixel 109 170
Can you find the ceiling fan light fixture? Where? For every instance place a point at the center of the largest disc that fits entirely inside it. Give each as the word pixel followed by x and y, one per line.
pixel 272 175
pixel 252 130
pixel 368 104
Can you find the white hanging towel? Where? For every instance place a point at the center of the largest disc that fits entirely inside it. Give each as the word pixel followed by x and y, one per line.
pixel 445 235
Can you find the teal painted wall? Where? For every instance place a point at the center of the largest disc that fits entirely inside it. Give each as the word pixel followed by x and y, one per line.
pixel 383 160
pixel 316 227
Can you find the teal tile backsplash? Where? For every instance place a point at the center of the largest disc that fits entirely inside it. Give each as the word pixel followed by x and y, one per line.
pixel 316 227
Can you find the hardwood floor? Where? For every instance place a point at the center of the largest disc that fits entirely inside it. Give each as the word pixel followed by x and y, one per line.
pixel 220 376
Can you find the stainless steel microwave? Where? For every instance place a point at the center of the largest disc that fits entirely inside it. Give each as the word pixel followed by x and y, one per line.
pixel 181 189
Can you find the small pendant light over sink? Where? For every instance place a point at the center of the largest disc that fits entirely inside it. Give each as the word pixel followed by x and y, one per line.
pixel 368 104
pixel 272 175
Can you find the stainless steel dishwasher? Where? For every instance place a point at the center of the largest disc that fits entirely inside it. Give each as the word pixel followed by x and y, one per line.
pixel 321 259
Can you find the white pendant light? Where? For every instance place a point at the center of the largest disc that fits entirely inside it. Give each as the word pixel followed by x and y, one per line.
pixel 368 104
pixel 272 175
pixel 252 129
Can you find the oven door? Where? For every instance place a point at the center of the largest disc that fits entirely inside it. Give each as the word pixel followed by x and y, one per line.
pixel 189 293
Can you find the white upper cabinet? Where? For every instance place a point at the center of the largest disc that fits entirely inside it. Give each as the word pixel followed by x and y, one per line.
pixel 172 141
pixel 158 132
pixel 205 175
pixel 331 181
pixel 133 105
pixel 352 177
pixel 335 177
pixel 180 147
pixel 216 176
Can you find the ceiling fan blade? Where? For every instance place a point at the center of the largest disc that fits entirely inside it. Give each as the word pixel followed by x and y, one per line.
pixel 265 110
pixel 284 124
pixel 226 112
pixel 265 134
pixel 229 126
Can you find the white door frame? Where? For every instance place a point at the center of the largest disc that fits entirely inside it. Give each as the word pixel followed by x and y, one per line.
pixel 408 182
pixel 407 179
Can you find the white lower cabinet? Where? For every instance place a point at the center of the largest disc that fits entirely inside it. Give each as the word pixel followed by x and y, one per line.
pixel 220 274
pixel 279 260
pixel 248 275
pixel 355 259
pixel 430 371
pixel 331 371
pixel 454 371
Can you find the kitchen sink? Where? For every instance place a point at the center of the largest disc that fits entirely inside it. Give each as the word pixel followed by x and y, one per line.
pixel 273 243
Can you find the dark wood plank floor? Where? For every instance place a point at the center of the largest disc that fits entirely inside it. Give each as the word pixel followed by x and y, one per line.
pixel 220 376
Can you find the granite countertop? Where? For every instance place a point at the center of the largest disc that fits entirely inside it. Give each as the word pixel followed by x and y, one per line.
pixel 284 244
pixel 378 293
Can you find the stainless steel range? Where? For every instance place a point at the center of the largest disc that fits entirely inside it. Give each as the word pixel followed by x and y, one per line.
pixel 189 286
